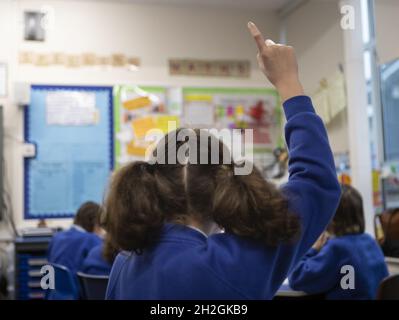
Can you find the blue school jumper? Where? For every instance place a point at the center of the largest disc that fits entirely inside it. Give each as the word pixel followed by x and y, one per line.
pixel 69 248
pixel 184 264
pixel 95 263
pixel 320 272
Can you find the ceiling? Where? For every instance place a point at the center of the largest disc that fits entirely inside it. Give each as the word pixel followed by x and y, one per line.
pixel 267 5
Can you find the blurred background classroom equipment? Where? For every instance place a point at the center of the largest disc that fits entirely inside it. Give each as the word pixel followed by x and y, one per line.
pixel 30 256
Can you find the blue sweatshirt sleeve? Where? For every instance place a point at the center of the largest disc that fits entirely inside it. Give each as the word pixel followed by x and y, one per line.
pixel 317 271
pixel 313 191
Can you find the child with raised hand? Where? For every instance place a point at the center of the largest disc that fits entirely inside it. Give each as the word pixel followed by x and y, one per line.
pixel 162 215
pixel 344 246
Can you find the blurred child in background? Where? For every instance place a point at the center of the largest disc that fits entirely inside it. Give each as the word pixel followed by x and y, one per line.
pixel 69 248
pixel 344 243
pixel 100 258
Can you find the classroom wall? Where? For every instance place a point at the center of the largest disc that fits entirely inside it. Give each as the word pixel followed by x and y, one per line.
pixel 152 33
pixel 387 22
pixel 314 31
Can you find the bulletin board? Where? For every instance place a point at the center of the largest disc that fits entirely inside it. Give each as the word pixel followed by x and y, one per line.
pixel 137 110
pixel 236 108
pixel 258 109
pixel 72 129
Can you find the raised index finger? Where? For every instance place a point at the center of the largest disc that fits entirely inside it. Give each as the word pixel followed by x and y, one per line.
pixel 260 41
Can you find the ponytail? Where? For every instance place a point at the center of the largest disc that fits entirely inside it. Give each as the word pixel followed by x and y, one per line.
pixel 245 205
pixel 250 207
pixel 134 215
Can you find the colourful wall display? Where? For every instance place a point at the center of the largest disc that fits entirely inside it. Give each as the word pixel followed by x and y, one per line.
pixel 238 108
pixel 137 111
pixel 82 133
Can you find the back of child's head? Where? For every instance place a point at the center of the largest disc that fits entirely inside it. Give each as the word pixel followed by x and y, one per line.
pixel 187 180
pixel 141 198
pixel 245 205
pixel 349 217
pixel 88 216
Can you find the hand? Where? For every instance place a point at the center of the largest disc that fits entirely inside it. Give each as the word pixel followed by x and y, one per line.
pixel 279 64
pixel 321 241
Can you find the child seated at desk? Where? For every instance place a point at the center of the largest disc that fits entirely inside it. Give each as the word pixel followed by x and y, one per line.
pixel 344 244
pixel 100 258
pixel 69 248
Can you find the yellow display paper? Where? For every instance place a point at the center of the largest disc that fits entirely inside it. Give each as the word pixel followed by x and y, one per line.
pixel 142 125
pixel 162 123
pixel 137 103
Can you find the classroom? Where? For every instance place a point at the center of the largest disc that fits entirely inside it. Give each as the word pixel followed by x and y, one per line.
pixel 199 150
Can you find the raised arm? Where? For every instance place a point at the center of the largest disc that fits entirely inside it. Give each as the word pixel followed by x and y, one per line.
pixel 313 188
pixel 247 267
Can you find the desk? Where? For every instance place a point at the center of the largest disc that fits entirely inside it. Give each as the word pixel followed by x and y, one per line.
pixel 286 291
pixel 30 256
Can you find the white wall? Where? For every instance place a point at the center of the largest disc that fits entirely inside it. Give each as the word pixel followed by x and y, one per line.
pixel 314 30
pixel 153 33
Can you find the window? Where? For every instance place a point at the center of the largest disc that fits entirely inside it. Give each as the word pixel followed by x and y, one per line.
pixel 390 109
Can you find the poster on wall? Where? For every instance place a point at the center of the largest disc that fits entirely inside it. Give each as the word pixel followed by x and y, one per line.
pixel 238 108
pixel 138 110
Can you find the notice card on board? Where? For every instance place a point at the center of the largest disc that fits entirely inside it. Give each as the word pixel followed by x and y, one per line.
pixel 199 113
pixel 70 108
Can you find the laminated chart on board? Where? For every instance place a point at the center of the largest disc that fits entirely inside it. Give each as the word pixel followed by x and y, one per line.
pixel 137 112
pixel 72 128
pixel 237 108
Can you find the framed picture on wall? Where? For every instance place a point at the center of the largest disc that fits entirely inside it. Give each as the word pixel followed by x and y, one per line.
pixel 34 26
pixel 3 80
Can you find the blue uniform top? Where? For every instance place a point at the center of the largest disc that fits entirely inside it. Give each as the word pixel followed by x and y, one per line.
pixel 95 263
pixel 69 248
pixel 184 264
pixel 320 272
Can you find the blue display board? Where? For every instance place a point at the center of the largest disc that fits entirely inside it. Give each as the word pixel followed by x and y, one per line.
pixel 72 128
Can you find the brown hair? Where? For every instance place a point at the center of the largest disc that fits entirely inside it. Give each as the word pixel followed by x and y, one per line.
pixel 110 250
pixel 141 198
pixel 349 217
pixel 245 205
pixel 88 216
pixel 144 196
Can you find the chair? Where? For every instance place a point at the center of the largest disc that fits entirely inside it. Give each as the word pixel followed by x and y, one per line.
pixel 93 287
pixel 65 285
pixel 389 288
